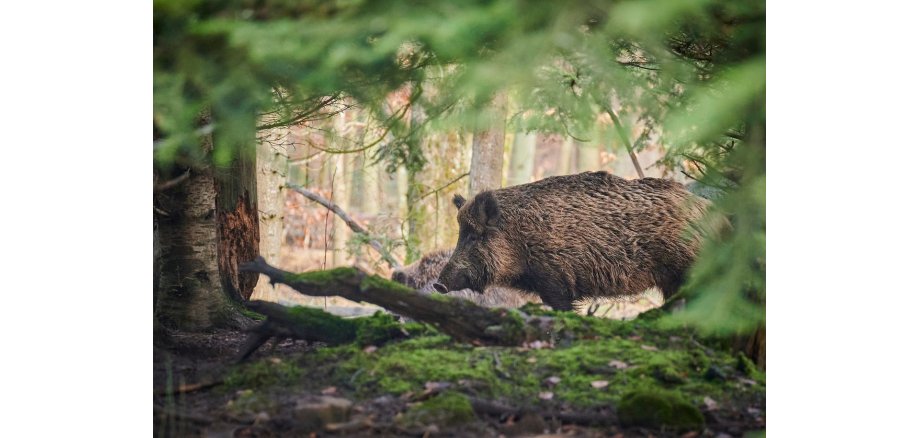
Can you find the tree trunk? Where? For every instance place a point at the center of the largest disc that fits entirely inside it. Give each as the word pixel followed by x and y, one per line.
pixel 414 208
pixel 522 158
pixel 488 152
pixel 565 157
pixel 272 164
pixel 589 157
pixel 237 223
pixel 207 225
pixel 189 294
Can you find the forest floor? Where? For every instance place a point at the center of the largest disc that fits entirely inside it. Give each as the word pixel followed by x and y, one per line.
pixel 599 377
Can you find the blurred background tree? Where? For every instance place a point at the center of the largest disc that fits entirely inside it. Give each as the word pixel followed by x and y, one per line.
pixel 405 85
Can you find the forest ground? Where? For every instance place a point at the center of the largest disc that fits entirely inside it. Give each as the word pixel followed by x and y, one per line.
pixel 629 378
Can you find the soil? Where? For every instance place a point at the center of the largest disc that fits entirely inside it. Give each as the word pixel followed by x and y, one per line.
pixel 191 398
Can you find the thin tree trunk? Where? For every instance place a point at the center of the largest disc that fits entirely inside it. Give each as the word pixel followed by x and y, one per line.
pixel 272 164
pixel 488 151
pixel 520 169
pixel 589 157
pixel 565 156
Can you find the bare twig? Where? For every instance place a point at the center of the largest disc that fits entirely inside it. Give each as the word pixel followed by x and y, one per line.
pixel 173 182
pixel 430 192
pixel 624 137
pixel 355 226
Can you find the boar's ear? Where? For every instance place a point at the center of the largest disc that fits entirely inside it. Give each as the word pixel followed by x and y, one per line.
pixel 487 211
pixel 459 201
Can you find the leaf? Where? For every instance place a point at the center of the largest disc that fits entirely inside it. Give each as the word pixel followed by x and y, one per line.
pixel 649 348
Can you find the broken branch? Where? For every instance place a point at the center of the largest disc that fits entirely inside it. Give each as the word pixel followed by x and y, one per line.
pixel 355 226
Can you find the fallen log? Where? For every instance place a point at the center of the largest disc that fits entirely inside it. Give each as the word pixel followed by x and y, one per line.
pixel 458 318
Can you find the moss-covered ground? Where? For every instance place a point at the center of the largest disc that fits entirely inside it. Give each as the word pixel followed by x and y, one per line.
pixel 664 380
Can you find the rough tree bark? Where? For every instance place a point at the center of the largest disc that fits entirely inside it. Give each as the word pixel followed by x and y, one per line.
pixel 237 223
pixel 205 225
pixel 188 291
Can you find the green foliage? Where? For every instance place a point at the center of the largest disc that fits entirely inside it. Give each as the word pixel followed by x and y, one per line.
pixel 693 70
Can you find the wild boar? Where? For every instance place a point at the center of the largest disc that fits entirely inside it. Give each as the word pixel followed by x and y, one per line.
pixel 576 237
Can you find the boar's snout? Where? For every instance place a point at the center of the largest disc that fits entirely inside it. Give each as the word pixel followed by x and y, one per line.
pixel 452 279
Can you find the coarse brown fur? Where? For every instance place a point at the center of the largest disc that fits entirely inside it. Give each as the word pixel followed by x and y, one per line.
pixel 574 237
pixel 422 275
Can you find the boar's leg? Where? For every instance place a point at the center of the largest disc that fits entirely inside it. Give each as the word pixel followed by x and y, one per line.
pixel 557 300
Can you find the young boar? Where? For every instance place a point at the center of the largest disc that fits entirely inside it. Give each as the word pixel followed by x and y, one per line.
pixel 422 275
pixel 571 238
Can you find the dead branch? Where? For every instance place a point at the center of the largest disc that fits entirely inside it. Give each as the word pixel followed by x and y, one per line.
pixel 459 318
pixel 355 226
pixel 173 182
pixel 430 192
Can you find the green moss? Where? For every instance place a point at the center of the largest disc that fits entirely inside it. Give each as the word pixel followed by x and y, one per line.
pixel 397 371
pixel 378 329
pixel 248 401
pixel 658 362
pixel 335 329
pixel 446 409
pixel 322 278
pixel 746 365
pixel 262 373
pixel 657 409
pixel 375 282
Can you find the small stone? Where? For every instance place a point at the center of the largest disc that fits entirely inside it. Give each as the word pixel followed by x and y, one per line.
pixel 710 403
pixel 313 412
pixel 648 347
pixel 599 384
pixel 552 381
pixel 545 395
pixel 618 364
pixel 261 418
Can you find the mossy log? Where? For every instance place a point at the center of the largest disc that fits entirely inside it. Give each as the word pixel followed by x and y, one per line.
pixel 458 318
pixel 316 325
